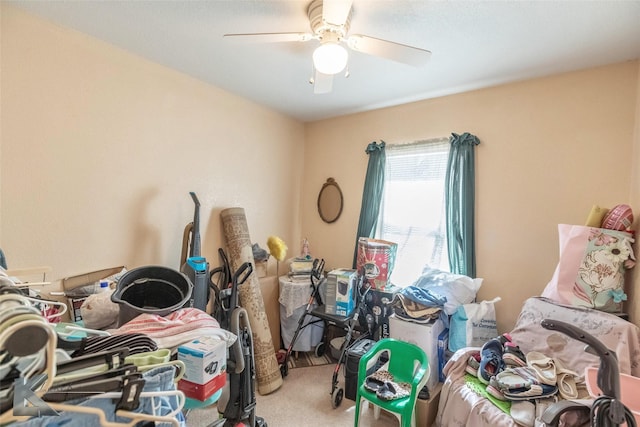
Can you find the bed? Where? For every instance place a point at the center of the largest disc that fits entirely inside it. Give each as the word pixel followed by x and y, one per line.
pixel 460 405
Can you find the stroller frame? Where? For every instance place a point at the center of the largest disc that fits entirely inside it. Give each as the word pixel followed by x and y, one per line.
pixel 316 308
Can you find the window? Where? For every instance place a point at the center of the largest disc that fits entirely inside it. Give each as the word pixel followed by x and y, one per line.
pixel 412 213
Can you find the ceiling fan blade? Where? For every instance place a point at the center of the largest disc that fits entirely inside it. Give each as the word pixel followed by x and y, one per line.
pixel 336 11
pixel 390 50
pixel 269 37
pixel 322 83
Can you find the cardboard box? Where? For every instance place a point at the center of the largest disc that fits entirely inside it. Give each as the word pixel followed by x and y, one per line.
pixel 74 288
pixel 345 292
pixel 443 347
pixel 424 336
pixel 261 268
pixel 202 391
pixel 379 303
pixel 270 294
pixel 330 287
pixel 204 359
pixel 427 409
pixel 377 258
pixel 340 289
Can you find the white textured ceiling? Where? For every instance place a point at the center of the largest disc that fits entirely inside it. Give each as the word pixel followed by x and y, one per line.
pixel 474 44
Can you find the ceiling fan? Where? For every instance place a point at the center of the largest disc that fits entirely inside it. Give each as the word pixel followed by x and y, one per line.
pixel 330 21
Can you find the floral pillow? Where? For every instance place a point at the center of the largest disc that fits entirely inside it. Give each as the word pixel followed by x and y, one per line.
pixel 592 265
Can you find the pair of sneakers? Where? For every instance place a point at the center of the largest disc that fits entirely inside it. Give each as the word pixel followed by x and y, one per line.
pixel 382 383
pixel 491 360
pixel 496 355
pixel 473 363
pixel 499 353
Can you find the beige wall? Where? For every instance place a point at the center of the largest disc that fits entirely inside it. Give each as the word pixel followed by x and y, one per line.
pixel 100 149
pixel 550 149
pixel 633 305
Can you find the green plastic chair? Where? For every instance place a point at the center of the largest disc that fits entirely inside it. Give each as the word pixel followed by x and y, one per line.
pixel 407 363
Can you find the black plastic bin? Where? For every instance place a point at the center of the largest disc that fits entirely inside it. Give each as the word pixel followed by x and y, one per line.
pixel 151 289
pixel 353 355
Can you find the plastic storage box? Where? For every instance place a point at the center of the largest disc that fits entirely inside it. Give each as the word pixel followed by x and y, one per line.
pixel 425 336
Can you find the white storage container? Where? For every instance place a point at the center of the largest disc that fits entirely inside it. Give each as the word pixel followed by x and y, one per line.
pixel 425 336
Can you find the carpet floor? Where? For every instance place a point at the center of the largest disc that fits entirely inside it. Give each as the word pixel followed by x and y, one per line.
pixel 307 359
pixel 303 400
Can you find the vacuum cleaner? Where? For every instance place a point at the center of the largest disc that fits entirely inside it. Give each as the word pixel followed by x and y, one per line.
pixel 607 410
pixel 193 265
pixel 237 403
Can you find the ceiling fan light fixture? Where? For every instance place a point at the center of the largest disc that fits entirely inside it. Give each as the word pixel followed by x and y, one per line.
pixel 330 58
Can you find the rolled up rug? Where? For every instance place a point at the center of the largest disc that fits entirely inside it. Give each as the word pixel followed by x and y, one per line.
pixel 236 233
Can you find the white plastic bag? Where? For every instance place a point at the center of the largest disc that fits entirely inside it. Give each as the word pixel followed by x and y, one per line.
pixel 444 288
pixel 99 312
pixel 473 324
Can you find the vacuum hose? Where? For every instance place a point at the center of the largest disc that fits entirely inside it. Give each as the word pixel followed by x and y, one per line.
pixel 608 412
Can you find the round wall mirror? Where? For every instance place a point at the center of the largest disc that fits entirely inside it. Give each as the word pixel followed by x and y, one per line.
pixel 330 201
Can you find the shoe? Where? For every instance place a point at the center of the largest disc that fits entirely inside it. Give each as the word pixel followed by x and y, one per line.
pixel 473 364
pixel 496 393
pixel 513 356
pixel 424 393
pixel 566 381
pixel 491 362
pixel 536 391
pixel 544 367
pixel 504 338
pixel 523 413
pixel 494 390
pixel 474 360
pixel 471 370
pixel 377 380
pixel 391 391
pixel 515 378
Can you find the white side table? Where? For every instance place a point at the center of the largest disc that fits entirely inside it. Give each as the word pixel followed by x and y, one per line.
pixel 294 296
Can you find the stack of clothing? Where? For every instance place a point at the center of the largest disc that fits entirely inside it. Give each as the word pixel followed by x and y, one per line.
pixel 176 328
pixel 434 294
pixel 406 307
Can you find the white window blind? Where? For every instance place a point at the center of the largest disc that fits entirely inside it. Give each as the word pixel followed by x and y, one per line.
pixel 412 211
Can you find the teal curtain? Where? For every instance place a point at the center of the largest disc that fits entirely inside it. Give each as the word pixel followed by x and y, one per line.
pixel 460 204
pixel 372 194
